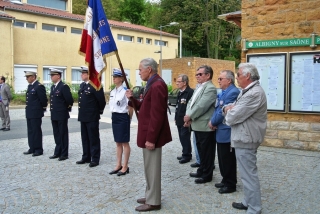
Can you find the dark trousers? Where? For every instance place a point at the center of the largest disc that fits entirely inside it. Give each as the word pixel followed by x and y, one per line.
pixel 206 145
pixel 61 137
pixel 35 135
pixel 90 137
pixel 227 164
pixel 184 136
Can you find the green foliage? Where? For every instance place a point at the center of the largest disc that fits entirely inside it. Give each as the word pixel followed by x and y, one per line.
pixel 169 88
pixel 133 11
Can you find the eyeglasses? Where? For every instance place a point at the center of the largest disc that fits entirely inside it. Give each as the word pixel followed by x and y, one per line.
pixel 238 74
pixel 219 79
pixel 200 74
pixel 179 81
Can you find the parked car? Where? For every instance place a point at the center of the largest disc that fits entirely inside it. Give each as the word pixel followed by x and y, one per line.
pixel 172 97
pixel 138 92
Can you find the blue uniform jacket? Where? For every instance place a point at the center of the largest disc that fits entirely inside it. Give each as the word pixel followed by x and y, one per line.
pixel 36 100
pixel 61 101
pixel 223 132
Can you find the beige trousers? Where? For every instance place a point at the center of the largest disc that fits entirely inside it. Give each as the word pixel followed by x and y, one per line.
pixel 152 171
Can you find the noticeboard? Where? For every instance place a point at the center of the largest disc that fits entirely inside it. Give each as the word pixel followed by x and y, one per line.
pixel 272 70
pixel 304 82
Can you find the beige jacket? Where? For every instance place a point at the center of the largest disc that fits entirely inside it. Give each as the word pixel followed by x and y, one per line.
pixel 248 118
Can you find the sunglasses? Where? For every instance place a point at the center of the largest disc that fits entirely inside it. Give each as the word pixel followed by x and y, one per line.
pixel 200 74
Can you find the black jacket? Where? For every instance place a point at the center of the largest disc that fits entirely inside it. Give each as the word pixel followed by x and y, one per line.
pixel 182 101
pixel 36 100
pixel 91 103
pixel 61 101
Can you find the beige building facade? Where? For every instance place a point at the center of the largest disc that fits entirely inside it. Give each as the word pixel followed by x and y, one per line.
pixel 36 38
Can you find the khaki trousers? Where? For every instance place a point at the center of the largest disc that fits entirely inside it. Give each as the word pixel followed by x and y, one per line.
pixel 152 171
pixel 4 114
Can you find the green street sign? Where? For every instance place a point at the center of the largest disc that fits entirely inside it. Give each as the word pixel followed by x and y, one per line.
pixel 317 42
pixel 280 43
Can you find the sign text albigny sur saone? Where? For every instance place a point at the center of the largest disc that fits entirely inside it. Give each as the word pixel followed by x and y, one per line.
pixel 281 43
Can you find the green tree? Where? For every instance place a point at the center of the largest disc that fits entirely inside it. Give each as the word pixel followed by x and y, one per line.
pixel 133 11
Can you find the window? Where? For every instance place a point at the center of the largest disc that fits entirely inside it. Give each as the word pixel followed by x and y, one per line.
pixel 47 78
pixel 162 43
pixel 75 79
pixel 57 4
pixel 24 24
pixel 125 38
pixel 140 40
pixel 53 28
pixel 76 30
pixel 149 41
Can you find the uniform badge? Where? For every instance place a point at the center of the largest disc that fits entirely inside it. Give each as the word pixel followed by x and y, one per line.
pixel 88 88
pixel 118 103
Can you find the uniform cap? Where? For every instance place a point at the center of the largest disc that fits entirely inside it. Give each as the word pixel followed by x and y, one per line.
pixel 54 71
pixel 84 69
pixel 30 73
pixel 117 73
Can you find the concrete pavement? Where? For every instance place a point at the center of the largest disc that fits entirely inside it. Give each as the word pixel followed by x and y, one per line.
pixel 289 179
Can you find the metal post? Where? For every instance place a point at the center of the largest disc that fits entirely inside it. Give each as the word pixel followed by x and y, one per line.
pixel 180 43
pixel 161 50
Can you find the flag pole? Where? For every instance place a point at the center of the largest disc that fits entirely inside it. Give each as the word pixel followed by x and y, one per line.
pixel 126 81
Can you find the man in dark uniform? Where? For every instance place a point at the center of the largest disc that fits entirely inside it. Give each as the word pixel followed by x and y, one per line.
pixel 183 98
pixel 61 102
pixel 36 104
pixel 91 105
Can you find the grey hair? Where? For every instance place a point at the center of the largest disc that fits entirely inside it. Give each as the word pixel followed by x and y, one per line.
pixel 207 70
pixel 229 75
pixel 251 69
pixel 184 78
pixel 146 62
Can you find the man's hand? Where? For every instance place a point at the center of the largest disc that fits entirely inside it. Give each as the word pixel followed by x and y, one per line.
pixel 186 118
pixel 129 93
pixel 211 126
pixel 150 145
pixel 227 108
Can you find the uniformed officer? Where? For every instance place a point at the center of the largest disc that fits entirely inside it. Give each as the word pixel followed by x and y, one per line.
pixel 36 104
pixel 121 114
pixel 61 102
pixel 91 105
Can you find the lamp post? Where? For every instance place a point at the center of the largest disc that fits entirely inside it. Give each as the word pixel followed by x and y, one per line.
pixel 170 24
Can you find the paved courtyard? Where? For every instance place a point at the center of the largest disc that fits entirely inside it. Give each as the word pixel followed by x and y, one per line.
pixel 289 179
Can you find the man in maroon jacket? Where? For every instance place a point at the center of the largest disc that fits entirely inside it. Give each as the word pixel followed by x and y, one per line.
pixel 153 131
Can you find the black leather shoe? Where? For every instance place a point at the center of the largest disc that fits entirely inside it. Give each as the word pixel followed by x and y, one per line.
pixel 36 154
pixel 62 158
pixel 239 206
pixel 195 165
pixel 115 171
pixel 123 173
pixel 93 164
pixel 219 185
pixel 2 128
pixel 201 181
pixel 184 160
pixel 6 129
pixel 53 156
pixel 179 158
pixel 27 153
pixel 82 162
pixel 224 190
pixel 194 175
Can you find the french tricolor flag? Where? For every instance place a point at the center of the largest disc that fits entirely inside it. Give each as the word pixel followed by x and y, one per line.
pixel 97 41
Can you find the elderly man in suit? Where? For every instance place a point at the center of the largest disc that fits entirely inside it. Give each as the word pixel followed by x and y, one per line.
pixel 91 104
pixel 153 131
pixel 199 111
pixel 36 105
pixel 226 154
pixel 5 97
pixel 61 102
pixel 247 117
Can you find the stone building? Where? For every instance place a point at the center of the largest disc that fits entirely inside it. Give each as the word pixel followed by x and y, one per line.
pixel 290 27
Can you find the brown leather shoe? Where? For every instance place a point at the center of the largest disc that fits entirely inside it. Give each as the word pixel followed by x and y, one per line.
pixel 147 207
pixel 141 200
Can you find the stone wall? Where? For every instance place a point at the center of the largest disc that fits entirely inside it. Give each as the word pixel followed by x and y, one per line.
pixel 189 65
pixel 284 19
